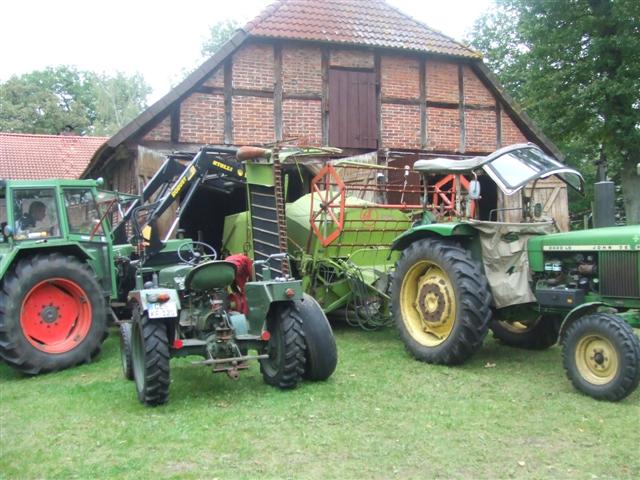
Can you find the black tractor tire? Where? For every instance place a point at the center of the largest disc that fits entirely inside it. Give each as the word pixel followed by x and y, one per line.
pixel 74 338
pixel 601 356
pixel 457 285
pixel 286 348
pixel 150 360
pixel 125 350
pixel 540 335
pixel 321 354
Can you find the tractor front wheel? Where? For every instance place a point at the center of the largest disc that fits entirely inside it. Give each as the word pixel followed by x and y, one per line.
pixel 52 314
pixel 321 352
pixel 150 360
pixel 601 355
pixel 440 302
pixel 286 348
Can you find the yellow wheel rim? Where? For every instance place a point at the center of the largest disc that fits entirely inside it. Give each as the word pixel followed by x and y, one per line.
pixel 428 303
pixel 596 359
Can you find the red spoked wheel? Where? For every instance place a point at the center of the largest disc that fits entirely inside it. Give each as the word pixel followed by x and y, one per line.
pixel 56 315
pixel 328 198
pixel 444 197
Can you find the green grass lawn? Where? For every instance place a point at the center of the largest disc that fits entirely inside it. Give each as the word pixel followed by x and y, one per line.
pixel 506 413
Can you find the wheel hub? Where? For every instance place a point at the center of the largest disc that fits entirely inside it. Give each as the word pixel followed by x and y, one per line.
pixel 434 300
pixel 596 359
pixel 49 313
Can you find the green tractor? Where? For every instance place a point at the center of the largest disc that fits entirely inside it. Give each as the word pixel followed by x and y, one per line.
pixel 56 272
pixel 462 272
pixel 184 301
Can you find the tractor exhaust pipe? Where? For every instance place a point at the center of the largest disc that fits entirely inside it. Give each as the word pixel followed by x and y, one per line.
pixel 604 211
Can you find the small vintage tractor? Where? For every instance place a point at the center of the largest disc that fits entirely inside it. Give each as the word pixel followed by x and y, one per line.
pixel 185 301
pixel 56 260
pixel 459 268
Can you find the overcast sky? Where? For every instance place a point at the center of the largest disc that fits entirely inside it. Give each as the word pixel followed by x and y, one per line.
pixel 159 39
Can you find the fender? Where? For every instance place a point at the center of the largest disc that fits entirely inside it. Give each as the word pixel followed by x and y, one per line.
pixel 449 229
pixel 573 315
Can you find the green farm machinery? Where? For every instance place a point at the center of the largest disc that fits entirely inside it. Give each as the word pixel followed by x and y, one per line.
pixel 463 270
pixel 56 257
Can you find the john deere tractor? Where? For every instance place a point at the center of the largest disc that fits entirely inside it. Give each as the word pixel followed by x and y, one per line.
pixel 467 266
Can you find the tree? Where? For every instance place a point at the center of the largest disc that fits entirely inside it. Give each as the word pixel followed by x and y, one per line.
pixel 219 33
pixel 575 68
pixel 51 100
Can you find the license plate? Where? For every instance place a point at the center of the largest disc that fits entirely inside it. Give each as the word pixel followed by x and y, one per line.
pixel 163 310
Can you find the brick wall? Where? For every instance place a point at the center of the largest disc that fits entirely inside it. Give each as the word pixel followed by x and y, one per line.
pixel 161 132
pixel 253 67
pixel 202 114
pixel 253 120
pixel 301 70
pixel 351 58
pixel 301 121
pixel 202 119
pixel 400 126
pixel 480 129
pixel 443 132
pixel 216 79
pixel 475 93
pixel 400 77
pixel 442 81
pixel 510 132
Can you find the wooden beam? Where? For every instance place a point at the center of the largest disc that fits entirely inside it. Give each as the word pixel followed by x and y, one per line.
pixel 302 96
pixel 277 90
pixel 175 123
pixel 378 74
pixel 463 135
pixel 498 123
pixel 228 100
pixel 423 104
pixel 400 101
pixel 325 95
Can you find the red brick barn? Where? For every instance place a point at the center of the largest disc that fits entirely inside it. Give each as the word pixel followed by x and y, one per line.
pixel 354 74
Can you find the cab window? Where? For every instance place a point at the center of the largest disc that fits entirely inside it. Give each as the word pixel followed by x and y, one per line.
pixel 82 212
pixel 35 213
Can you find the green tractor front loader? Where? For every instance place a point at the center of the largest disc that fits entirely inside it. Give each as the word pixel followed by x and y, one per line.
pixel 468 266
pixel 185 301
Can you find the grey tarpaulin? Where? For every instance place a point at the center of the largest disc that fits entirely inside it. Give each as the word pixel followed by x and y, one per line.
pixel 505 258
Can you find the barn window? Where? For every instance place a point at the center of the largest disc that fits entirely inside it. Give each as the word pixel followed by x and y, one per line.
pixel 352 109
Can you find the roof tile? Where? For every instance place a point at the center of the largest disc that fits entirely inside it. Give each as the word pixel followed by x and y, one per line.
pixel 372 23
pixel 33 157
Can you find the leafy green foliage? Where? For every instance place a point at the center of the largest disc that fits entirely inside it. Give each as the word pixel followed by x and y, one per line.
pixel 575 68
pixel 219 33
pixel 51 100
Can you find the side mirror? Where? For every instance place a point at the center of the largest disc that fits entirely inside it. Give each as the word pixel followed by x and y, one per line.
pixel 474 189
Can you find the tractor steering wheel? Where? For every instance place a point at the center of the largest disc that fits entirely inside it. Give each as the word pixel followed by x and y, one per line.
pixel 196 257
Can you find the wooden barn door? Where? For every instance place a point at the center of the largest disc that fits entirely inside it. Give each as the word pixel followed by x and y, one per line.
pixel 352 109
pixel 551 193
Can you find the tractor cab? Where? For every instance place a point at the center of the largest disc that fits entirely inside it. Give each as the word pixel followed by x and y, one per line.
pixel 454 186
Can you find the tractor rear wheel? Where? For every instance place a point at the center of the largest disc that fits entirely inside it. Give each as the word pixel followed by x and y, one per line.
pixel 440 301
pixel 321 353
pixel 52 314
pixel 601 355
pixel 538 333
pixel 150 360
pixel 286 348
pixel 125 350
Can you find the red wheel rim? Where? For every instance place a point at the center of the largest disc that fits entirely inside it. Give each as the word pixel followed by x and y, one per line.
pixel 56 315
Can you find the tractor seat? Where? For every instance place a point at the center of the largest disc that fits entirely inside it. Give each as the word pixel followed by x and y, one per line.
pixel 210 275
pixel 448 165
